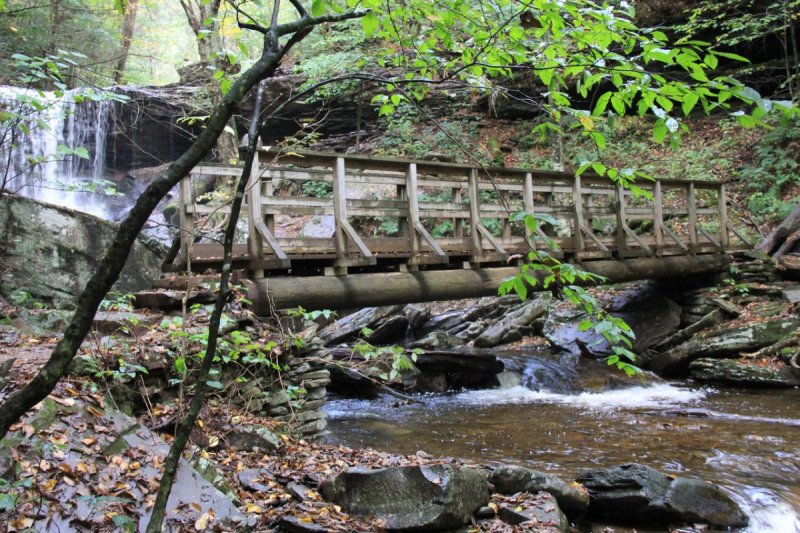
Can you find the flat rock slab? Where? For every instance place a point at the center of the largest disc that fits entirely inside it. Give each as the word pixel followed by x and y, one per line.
pixel 643 496
pixel 740 374
pixel 110 449
pixel 514 479
pixel 541 511
pixel 410 498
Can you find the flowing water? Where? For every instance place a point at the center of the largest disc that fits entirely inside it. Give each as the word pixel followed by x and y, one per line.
pixel 34 165
pixel 563 416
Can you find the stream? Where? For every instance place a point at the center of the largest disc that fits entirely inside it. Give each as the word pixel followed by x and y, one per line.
pixel 563 416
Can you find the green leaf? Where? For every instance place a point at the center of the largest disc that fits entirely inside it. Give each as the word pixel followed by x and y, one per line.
pixel 215 384
pixel 317 8
pixel 370 23
pixel 730 56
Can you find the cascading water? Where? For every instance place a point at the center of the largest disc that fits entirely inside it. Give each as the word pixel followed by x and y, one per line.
pixel 34 164
pixel 565 415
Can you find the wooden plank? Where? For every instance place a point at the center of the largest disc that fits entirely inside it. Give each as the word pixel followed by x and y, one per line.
pixel 356 239
pixel 413 211
pixel 420 230
pixel 577 206
pixel 339 207
pixel 589 233
pixel 632 233
pixel 658 215
pixel 458 222
pixel 491 238
pixel 474 213
pixel 675 238
pixel 528 203
pixel 186 231
pixel 709 237
pixel 723 216
pixel 691 203
pixel 739 235
pixel 402 220
pixel 622 243
pixel 254 240
pixel 267 235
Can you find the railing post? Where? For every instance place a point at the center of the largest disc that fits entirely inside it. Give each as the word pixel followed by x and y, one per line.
pixel 692 206
pixel 267 191
pixel 413 213
pixel 340 208
pixel 255 244
pixel 506 233
pixel 458 223
pixel 402 222
pixel 658 217
pixel 527 198
pixel 186 201
pixel 622 238
pixel 723 217
pixel 475 215
pixel 577 200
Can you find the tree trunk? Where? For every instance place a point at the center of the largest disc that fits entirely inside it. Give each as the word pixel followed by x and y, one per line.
pixel 128 25
pixel 114 260
pixel 201 388
pixel 775 239
pixel 107 272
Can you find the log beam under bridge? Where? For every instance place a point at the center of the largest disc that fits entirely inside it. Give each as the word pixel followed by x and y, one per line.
pixel 370 290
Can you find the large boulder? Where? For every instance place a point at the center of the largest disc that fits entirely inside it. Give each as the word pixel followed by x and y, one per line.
pixel 410 498
pixel 514 479
pixel 51 252
pixel 514 325
pixel 729 342
pixel 638 494
pixel 741 374
pixel 651 315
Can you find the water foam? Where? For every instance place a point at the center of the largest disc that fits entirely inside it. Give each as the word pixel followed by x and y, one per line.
pixel 651 396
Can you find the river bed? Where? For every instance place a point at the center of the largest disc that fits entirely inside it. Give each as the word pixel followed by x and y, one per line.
pixel 546 416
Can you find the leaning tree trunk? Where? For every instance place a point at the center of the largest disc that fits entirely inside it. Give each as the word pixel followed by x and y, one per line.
pixel 108 271
pixel 776 239
pixel 201 388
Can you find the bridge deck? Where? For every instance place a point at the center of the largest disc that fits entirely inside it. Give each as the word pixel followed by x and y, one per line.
pixel 443 215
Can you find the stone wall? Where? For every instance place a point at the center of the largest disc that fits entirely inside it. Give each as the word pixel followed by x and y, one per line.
pixel 51 252
pixel 297 397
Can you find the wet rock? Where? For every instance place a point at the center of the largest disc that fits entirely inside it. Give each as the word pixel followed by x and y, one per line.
pixel 253 438
pixel 438 340
pixel 443 322
pixel 543 512
pixel 298 490
pixel 410 498
pixel 417 315
pixel 740 374
pixel 638 494
pixel 514 479
pixel 504 328
pixel 651 315
pixel 255 480
pixel 294 525
pixel 730 342
pixel 389 330
pixel 350 326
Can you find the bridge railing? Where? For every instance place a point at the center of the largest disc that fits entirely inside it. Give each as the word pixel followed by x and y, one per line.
pixel 434 214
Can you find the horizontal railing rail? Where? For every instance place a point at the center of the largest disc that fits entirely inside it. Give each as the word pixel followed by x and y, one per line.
pixel 449 214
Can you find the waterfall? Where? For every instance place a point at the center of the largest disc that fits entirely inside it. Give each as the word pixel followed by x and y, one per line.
pixel 51 122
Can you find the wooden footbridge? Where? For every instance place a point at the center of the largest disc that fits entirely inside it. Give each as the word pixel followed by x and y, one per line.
pixel 426 230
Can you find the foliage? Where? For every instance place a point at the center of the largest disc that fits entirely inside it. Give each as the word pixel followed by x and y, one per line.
pixel 774 171
pixel 561 278
pixel 396 354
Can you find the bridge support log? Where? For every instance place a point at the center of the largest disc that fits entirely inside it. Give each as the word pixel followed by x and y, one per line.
pixel 370 290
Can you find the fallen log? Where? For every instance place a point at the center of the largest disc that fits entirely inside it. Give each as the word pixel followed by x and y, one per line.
pixel 391 288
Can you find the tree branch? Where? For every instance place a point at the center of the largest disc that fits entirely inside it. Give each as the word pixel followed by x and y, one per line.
pixel 309 22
